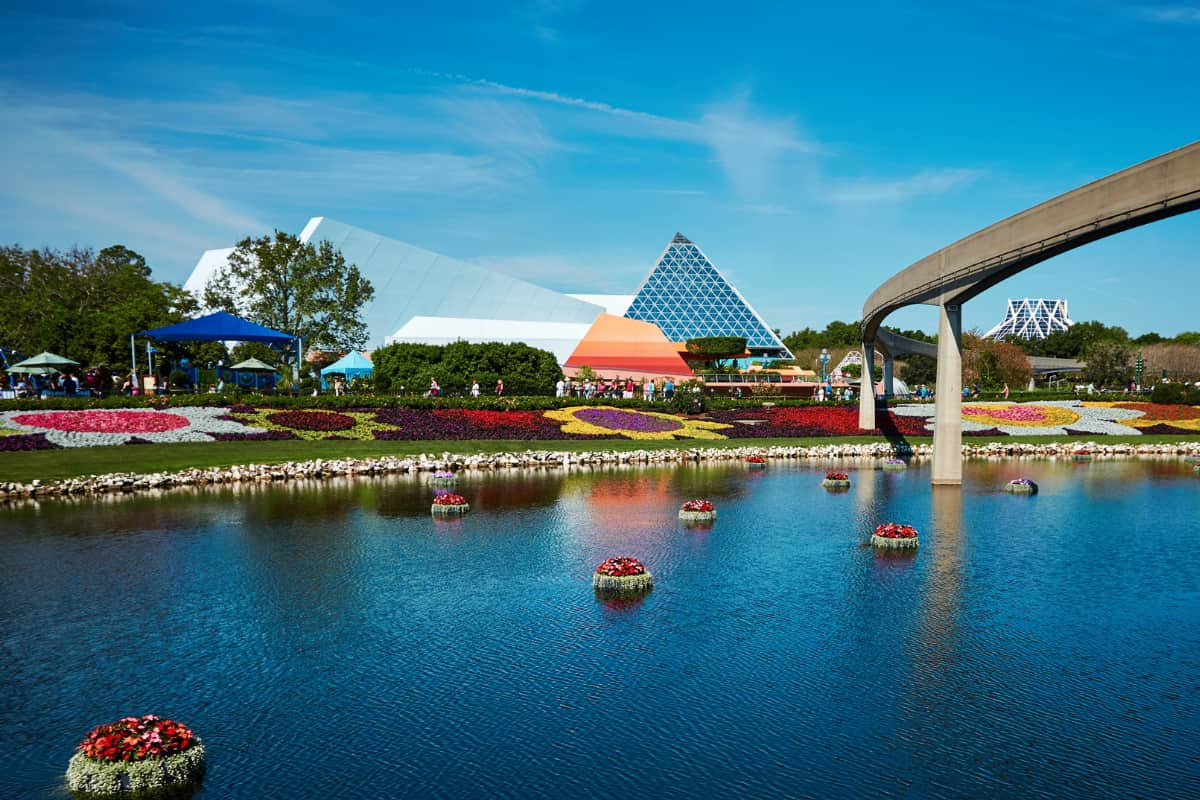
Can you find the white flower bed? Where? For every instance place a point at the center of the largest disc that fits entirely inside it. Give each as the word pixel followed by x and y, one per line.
pixel 1084 418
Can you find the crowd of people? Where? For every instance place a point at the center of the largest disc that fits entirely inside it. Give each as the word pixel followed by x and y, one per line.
pixel 614 388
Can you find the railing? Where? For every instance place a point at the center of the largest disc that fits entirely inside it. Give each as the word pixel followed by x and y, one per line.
pixel 752 377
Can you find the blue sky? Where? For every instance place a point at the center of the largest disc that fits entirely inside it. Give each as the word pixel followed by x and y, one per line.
pixel 811 151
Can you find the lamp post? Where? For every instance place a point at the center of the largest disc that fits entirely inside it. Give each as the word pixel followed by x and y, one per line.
pixel 824 362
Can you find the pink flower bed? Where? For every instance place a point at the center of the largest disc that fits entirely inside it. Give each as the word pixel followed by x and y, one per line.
pixel 104 421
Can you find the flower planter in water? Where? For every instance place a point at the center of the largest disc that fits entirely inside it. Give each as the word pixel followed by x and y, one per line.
pixel 893 535
pixel 161 754
pixel 622 576
pixel 1081 456
pixel 756 462
pixel 698 511
pixel 443 480
pixel 1021 486
pixel 894 465
pixel 836 481
pixel 450 505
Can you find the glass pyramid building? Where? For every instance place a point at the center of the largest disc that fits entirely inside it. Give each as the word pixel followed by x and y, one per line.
pixel 687 297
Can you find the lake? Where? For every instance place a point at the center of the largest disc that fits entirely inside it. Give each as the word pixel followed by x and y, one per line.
pixel 333 640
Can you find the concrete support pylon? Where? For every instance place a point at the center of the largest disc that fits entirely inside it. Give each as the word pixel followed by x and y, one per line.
pixel 889 376
pixel 947 428
pixel 866 390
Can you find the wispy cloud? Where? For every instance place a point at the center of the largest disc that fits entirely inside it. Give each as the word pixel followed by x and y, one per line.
pixel 601 273
pixel 896 190
pixel 1171 14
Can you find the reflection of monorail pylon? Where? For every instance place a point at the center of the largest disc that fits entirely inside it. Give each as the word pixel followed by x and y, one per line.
pixel 1032 319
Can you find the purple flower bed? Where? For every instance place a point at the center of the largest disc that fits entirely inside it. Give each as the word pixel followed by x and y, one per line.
pixel 28 441
pixel 460 424
pixel 615 419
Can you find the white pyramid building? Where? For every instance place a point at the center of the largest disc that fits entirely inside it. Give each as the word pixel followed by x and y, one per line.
pixel 1032 319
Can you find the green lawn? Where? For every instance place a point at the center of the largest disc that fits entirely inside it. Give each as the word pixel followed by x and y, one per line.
pixel 49 465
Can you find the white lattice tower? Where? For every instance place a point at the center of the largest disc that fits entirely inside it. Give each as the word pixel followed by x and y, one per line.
pixel 1032 319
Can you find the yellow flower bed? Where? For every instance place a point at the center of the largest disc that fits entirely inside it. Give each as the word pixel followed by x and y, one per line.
pixel 364 423
pixel 1023 416
pixel 648 425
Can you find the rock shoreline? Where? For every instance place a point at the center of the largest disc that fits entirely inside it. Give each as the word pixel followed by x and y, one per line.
pixel 319 469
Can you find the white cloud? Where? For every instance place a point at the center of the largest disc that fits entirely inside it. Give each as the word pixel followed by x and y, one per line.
pixel 871 190
pixel 613 272
pixel 1171 14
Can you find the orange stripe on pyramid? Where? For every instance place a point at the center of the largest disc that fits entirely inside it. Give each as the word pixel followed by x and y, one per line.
pixel 628 345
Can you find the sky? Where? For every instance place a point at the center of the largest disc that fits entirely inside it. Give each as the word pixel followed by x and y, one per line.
pixel 811 150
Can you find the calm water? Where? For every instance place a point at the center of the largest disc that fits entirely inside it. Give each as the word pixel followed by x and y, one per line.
pixel 335 641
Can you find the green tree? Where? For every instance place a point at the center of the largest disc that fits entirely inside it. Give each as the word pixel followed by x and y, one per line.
pixel 525 370
pixel 1108 362
pixel 83 304
pixel 297 287
pixel 918 369
pixel 1072 342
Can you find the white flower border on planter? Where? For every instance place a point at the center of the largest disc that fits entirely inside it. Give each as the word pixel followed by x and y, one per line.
pixel 893 543
pixel 1017 487
pixel 201 422
pixel 622 584
pixel 830 483
pixel 92 775
pixel 439 510
pixel 697 516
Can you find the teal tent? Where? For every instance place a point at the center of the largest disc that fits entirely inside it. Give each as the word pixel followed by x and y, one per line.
pixel 352 365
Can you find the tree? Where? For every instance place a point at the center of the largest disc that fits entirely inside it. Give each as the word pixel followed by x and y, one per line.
pixel 1072 342
pixel 918 369
pixel 83 304
pixel 524 369
pixel 1108 363
pixel 715 350
pixel 991 363
pixel 296 287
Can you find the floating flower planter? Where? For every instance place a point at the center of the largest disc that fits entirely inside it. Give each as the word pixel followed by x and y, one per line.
pixel 1192 458
pixel 450 505
pixel 756 462
pixel 697 511
pixel 136 754
pixel 622 576
pixel 1021 486
pixel 443 479
pixel 836 480
pixel 1081 455
pixel 894 535
pixel 894 465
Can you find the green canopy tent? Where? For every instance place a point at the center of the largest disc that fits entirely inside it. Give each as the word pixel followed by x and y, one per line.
pixel 43 364
pixel 254 374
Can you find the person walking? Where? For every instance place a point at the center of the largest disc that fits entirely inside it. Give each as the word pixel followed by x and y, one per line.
pixel 499 387
pixel 559 388
pixel 475 388
pixel 1005 391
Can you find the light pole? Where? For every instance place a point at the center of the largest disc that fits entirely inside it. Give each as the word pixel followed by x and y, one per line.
pixel 824 362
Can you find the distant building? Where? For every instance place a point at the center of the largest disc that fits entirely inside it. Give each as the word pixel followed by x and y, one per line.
pixel 1032 319
pixel 426 297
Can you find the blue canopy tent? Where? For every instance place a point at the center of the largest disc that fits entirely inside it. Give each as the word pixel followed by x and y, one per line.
pixel 352 365
pixel 216 327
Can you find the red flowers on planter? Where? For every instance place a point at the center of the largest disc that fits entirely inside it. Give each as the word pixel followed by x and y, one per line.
pixel 895 530
pixel 697 505
pixel 836 476
pixel 621 567
pixel 449 499
pixel 137 738
pixel 756 460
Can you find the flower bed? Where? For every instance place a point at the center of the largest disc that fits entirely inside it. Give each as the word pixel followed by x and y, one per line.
pixel 95 428
pixel 608 421
pixel 443 479
pixel 313 425
pixel 1021 486
pixel 756 462
pixel 894 535
pixel 622 575
pixel 450 504
pixel 136 754
pixel 836 480
pixel 697 511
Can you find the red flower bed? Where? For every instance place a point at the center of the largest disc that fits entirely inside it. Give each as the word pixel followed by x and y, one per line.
pixel 449 499
pixel 756 460
pixel 811 421
pixel 461 423
pixel 895 530
pixel 836 476
pixel 1163 411
pixel 697 505
pixel 312 420
pixel 621 567
pixel 137 738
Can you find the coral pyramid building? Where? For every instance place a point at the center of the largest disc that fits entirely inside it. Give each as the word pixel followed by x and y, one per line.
pixel 687 297
pixel 628 348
